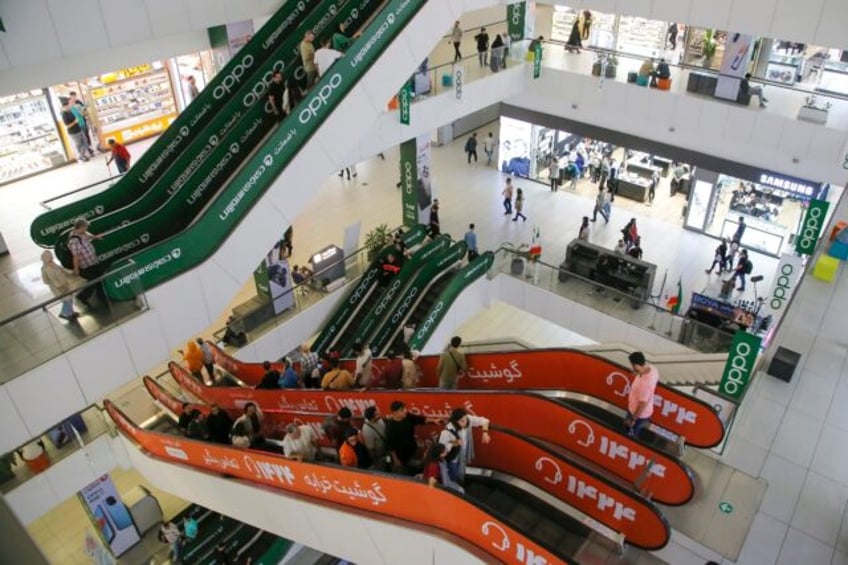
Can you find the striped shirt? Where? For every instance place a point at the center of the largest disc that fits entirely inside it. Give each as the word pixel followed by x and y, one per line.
pixel 81 247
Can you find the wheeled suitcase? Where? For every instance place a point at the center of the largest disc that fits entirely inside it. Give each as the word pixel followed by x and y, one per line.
pixel 517 266
pixel 447 80
pixel 727 287
pixel 631 77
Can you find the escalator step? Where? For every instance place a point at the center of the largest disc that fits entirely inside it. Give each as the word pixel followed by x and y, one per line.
pixel 570 542
pixel 479 491
pixel 524 516
pixel 501 502
pixel 547 532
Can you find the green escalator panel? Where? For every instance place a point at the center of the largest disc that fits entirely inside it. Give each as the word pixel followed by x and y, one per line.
pixel 193 246
pixel 406 302
pixel 459 282
pixel 360 290
pixel 213 158
pixel 242 70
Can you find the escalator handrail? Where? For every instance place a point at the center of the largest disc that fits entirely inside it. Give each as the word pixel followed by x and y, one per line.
pixel 388 496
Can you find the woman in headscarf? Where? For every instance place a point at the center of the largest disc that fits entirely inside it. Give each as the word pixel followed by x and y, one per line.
pixel 458 440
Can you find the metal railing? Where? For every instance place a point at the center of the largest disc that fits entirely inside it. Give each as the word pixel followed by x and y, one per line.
pixel 626 307
pixel 102 184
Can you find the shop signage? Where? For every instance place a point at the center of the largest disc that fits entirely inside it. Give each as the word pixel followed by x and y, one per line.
pixel 516 15
pixel 109 514
pixel 405 103
pixel 740 364
pixel 409 181
pixel 457 81
pixel 811 228
pixel 537 61
pixel 577 372
pixel 800 189
pixel 669 479
pixel 383 494
pixel 187 127
pixel 257 173
pixel 783 285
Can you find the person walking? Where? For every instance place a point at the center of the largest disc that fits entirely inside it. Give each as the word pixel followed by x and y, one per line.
pixel 471 242
pixel 471 147
pixel 86 263
pixel 507 197
pixel 452 364
pixel 456 39
pixel 519 205
pixel 489 148
pixel 671 35
pixel 276 96
pixel 434 227
pixel 599 206
pixel 587 24
pixel 74 129
pixel 458 439
pixel 208 358
pixel 720 257
pixel 652 188
pixel 604 171
pixel 574 42
pixel 740 231
pixel 606 209
pixel 640 400
pixel 743 267
pixel 583 234
pixel 55 277
pixel 307 55
pixel 482 40
pixel 120 155
pixel 553 174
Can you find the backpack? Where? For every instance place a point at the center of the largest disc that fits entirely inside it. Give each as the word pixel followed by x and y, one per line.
pixel 63 252
pixel 454 451
pixel 748 267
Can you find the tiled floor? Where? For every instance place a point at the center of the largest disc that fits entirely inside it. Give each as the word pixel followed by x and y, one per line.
pixel 792 434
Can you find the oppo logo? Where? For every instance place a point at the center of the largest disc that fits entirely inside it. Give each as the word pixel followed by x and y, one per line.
pixel 516 14
pixel 458 84
pixel 737 377
pixel 321 99
pixel 258 90
pixel 782 287
pixel 811 229
pixel 407 177
pixel 404 104
pixel 232 79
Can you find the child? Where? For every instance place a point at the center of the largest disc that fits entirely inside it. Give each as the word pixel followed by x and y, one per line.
pixel 519 205
pixel 56 278
pixel 120 155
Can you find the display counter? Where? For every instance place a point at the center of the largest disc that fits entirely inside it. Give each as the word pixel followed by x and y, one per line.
pixel 784 69
pixel 834 78
pixel 29 140
pixel 633 187
pixel 621 272
pixel 643 170
pixel 713 322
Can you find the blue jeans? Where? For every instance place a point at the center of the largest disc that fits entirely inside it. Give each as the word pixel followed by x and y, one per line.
pixel 638 425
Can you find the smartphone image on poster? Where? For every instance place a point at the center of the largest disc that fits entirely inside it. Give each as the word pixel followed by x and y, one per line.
pixel 118 513
pixel 103 524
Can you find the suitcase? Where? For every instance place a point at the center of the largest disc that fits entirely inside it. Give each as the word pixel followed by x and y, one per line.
pixel 517 266
pixel 447 80
pixel 631 77
pixel 727 287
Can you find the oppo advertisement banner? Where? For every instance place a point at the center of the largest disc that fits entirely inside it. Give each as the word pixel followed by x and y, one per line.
pixel 734 64
pixel 425 181
pixel 516 15
pixel 108 513
pixel 789 271
pixel 740 365
pixel 409 181
pixel 811 229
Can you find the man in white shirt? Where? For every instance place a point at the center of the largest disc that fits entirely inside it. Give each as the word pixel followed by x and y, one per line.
pixel 300 442
pixel 325 56
pixel 363 363
pixel 374 435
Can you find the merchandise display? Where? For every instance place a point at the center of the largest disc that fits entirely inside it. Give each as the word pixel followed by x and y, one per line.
pixel 641 36
pixel 134 103
pixel 29 140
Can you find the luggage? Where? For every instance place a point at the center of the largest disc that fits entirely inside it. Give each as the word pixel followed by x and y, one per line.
pixel 727 287
pixel 631 77
pixel 517 266
pixel 447 80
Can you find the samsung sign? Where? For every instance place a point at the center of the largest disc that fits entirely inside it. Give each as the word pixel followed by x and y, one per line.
pixel 800 189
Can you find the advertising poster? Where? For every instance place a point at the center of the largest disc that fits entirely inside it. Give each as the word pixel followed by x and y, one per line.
pixel 279 279
pixel 811 227
pixel 740 364
pixel 734 64
pixel 785 279
pixel 425 181
pixel 409 181
pixel 514 148
pixel 109 515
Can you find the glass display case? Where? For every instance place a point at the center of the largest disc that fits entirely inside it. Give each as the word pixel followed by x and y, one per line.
pixel 133 103
pixel 641 36
pixel 29 140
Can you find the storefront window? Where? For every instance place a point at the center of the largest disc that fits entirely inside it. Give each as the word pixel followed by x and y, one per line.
pixel 641 36
pixel 601 30
pixel 29 140
pixel 704 48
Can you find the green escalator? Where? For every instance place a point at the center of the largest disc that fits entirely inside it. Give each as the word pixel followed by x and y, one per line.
pixel 194 245
pixel 376 303
pixel 204 118
pixel 366 285
pixel 390 323
pixel 436 303
pixel 209 163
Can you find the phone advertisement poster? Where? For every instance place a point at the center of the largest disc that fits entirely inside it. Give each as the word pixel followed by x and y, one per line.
pixel 109 515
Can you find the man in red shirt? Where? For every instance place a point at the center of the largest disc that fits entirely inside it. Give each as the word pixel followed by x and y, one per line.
pixel 640 401
pixel 120 155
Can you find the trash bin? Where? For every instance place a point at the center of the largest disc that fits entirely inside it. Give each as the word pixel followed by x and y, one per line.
pixel 783 364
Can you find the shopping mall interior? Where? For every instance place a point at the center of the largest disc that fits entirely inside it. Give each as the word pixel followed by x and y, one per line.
pixel 629 130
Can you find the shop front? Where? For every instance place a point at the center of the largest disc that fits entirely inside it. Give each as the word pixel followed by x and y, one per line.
pixel 30 141
pixel 628 35
pixel 771 206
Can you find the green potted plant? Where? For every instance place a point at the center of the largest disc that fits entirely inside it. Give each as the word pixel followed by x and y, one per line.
pixel 377 239
pixel 709 48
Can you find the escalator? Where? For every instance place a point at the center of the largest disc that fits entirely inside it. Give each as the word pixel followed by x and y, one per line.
pixel 374 304
pixel 287 151
pixel 536 469
pixel 352 500
pixel 208 164
pixel 558 371
pixel 360 292
pixel 386 324
pixel 668 479
pixel 204 117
